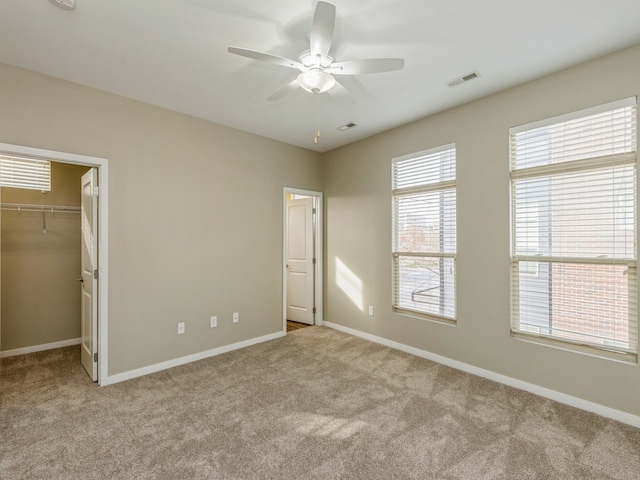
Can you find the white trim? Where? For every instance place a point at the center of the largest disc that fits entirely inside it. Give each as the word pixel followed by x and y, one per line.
pixel 424 153
pixel 103 236
pixel 40 348
pixel 625 102
pixel 574 166
pixel 139 372
pixel 319 222
pixel 426 188
pixel 580 403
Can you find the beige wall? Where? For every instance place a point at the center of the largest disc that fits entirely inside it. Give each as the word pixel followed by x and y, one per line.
pixel 358 233
pixel 196 222
pixel 195 213
pixel 41 298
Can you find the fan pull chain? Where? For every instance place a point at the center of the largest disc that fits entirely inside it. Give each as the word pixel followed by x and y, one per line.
pixel 317 119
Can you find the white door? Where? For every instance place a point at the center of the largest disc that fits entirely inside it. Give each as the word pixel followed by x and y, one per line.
pixel 88 281
pixel 300 271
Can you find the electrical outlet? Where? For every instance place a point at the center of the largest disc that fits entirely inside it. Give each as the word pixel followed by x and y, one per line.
pixel 214 322
pixel 236 317
pixel 371 310
pixel 180 328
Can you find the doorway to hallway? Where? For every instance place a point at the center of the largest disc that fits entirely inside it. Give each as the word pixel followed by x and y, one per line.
pixel 302 270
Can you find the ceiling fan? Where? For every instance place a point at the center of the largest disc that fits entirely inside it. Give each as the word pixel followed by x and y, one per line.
pixel 317 68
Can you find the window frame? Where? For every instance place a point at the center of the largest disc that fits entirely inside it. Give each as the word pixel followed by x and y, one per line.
pixel 556 171
pixel 441 256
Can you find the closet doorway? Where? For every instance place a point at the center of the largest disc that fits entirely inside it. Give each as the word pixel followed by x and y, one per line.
pixel 302 272
pixel 54 258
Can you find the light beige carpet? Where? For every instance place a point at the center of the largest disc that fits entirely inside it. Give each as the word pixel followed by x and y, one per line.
pixel 317 404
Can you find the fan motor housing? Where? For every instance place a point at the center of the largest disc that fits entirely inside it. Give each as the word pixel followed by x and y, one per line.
pixel 307 59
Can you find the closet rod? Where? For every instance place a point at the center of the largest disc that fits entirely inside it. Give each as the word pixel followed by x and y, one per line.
pixel 28 207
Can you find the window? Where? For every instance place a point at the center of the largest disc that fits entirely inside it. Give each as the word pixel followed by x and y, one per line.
pixel 20 172
pixel 573 208
pixel 424 233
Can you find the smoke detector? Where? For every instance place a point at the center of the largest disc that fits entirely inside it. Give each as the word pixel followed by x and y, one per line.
pixel 64 4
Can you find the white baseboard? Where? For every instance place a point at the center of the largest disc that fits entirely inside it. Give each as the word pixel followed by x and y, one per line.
pixel 40 348
pixel 139 372
pixel 580 403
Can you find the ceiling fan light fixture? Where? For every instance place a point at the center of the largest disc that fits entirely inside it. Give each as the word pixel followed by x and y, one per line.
pixel 316 80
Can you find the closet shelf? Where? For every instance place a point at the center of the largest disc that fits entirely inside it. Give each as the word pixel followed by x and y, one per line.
pixel 28 207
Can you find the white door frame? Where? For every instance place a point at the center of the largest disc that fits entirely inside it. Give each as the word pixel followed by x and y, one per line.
pixel 318 278
pixel 103 236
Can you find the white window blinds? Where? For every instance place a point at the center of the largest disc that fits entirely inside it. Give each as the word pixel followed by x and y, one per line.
pixel 573 196
pixel 20 172
pixel 424 232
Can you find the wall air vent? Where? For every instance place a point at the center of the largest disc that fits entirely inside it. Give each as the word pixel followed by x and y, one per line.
pixel 347 126
pixel 463 79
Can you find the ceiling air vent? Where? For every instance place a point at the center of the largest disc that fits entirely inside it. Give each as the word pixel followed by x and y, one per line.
pixel 347 126
pixel 64 4
pixel 464 79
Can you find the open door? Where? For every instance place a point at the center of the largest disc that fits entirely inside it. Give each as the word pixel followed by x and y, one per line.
pixel 89 279
pixel 300 261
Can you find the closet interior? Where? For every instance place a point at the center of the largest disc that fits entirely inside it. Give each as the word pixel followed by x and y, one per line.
pixel 40 263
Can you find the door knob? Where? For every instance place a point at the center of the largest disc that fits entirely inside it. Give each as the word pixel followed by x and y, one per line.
pixel 79 280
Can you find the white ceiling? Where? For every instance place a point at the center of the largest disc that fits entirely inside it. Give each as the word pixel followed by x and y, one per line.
pixel 173 53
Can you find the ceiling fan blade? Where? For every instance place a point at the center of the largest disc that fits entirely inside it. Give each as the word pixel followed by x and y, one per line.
pixel 285 90
pixel 266 57
pixel 324 20
pixel 370 65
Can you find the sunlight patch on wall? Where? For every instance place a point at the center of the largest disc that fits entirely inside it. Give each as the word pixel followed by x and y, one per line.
pixel 349 283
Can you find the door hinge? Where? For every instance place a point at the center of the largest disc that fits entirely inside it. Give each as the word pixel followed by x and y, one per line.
pixel 314 261
pixel 95 356
pixel 95 274
pixel 96 191
pixel 314 310
pixel 314 211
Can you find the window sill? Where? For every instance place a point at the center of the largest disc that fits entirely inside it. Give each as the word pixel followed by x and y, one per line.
pixel 425 316
pixel 593 351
